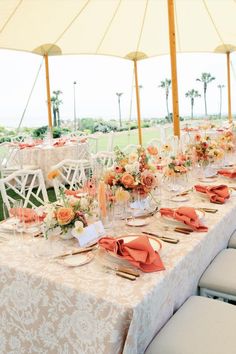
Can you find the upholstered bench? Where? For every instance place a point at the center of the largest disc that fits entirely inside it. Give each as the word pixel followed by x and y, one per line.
pixel 200 326
pixel 219 279
pixel 232 240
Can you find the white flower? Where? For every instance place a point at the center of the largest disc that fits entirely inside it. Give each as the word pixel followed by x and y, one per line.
pixel 132 168
pixel 133 156
pixel 79 227
pixel 84 203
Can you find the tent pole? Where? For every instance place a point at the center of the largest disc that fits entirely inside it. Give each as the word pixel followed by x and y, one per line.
pixel 48 92
pixel 174 79
pixel 229 87
pixel 138 103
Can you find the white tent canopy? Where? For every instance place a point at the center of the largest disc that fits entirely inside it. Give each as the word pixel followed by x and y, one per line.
pixel 116 27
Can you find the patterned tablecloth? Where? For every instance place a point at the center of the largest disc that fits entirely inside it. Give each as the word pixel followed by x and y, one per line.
pixel 48 308
pixel 48 156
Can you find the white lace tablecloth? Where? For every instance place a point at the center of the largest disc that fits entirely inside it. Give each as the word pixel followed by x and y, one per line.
pixel 48 308
pixel 48 156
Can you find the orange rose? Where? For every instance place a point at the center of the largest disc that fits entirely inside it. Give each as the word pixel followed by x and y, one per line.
pixel 152 150
pixel 110 178
pixel 127 180
pixel 64 216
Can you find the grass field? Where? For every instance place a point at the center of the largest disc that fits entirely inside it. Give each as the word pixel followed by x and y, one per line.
pixel 122 139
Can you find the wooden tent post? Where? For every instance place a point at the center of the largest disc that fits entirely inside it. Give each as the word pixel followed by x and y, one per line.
pixel 138 103
pixel 229 87
pixel 48 92
pixel 174 80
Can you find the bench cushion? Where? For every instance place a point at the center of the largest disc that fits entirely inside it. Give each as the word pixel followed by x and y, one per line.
pixel 200 326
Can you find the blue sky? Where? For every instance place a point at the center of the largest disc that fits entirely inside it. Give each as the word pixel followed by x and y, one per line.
pixel 98 79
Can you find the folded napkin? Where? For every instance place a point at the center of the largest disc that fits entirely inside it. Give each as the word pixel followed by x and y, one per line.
pixel 228 173
pixel 26 214
pixel 24 145
pixel 187 215
pixel 217 194
pixel 59 143
pixel 74 193
pixel 138 252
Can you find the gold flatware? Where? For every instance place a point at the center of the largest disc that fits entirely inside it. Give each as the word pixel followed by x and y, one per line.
pixel 76 251
pixel 162 238
pixel 178 229
pixel 184 193
pixel 209 210
pixel 125 275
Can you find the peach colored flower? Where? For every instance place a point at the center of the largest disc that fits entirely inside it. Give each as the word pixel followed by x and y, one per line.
pixel 133 156
pixel 127 180
pixel 152 150
pixel 53 174
pixel 65 216
pixel 148 180
pixel 121 195
pixel 110 178
pixel 197 137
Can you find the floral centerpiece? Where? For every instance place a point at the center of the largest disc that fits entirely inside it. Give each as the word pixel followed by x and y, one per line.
pixel 226 141
pixel 205 150
pixel 177 165
pixel 132 172
pixel 67 214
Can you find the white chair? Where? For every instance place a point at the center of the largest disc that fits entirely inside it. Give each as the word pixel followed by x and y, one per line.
pixel 27 185
pixel 110 141
pixel 72 174
pixel 93 143
pixel 82 151
pixel 11 160
pixel 200 326
pixel 218 280
pixel 104 158
pixel 130 148
pixel 232 240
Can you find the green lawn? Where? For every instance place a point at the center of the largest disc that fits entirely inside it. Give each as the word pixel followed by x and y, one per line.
pixel 125 138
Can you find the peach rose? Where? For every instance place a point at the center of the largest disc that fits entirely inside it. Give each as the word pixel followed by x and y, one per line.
pixel 65 216
pixel 148 180
pixel 110 178
pixel 127 180
pixel 119 169
pixel 152 150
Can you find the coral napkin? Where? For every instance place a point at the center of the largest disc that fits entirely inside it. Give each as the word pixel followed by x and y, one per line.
pixel 187 215
pixel 138 252
pixel 26 214
pixel 217 194
pixel 59 143
pixel 228 173
pixel 24 145
pixel 74 193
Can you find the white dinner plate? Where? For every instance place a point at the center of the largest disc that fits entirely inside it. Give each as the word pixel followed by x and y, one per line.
pixel 137 222
pixel 180 198
pixel 208 179
pixel 174 222
pixel 76 260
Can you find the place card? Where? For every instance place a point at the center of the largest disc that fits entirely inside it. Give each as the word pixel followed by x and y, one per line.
pixel 90 233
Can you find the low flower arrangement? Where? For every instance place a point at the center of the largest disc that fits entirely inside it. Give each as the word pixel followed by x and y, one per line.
pixel 177 165
pixel 205 150
pixel 226 141
pixel 68 213
pixel 132 172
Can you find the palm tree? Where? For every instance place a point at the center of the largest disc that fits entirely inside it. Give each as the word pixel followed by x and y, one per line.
pixel 205 78
pixel 220 88
pixel 192 94
pixel 166 84
pixel 55 107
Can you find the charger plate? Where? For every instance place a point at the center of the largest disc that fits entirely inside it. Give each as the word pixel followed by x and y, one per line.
pixel 76 260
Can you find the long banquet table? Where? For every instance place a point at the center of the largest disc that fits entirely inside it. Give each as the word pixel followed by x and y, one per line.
pixel 48 308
